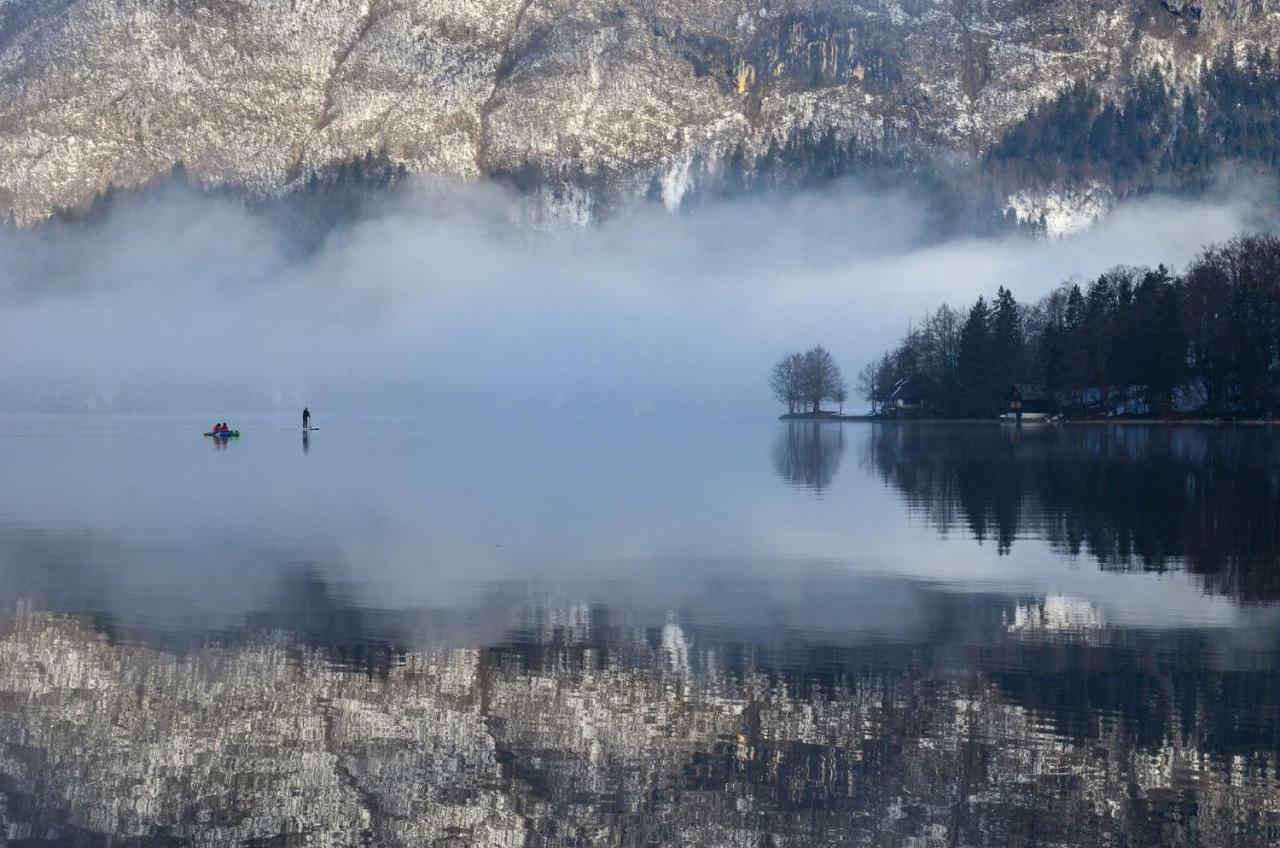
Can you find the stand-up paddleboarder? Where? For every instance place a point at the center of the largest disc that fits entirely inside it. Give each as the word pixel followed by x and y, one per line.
pixel 306 418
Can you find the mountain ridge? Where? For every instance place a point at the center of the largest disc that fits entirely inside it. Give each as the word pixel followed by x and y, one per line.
pixel 585 104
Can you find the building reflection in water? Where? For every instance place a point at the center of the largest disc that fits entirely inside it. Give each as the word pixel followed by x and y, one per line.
pixel 808 453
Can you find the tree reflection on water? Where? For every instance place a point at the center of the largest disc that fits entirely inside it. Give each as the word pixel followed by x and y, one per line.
pixel 1148 498
pixel 798 705
pixel 808 453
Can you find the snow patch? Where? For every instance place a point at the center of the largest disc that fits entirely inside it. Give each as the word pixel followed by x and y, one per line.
pixel 1062 212
pixel 676 183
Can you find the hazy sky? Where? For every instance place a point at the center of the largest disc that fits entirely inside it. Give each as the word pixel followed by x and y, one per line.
pixel 447 299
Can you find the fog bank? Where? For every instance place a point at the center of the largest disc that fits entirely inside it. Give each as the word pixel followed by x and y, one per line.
pixel 446 299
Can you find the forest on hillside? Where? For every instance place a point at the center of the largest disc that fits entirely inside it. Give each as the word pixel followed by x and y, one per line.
pixel 318 203
pixel 1133 341
pixel 1157 137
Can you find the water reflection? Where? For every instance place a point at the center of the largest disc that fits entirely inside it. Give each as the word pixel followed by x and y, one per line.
pixel 488 635
pixel 808 453
pixel 1149 498
pixel 586 725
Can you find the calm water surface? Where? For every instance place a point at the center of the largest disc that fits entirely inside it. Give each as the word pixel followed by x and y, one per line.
pixel 599 632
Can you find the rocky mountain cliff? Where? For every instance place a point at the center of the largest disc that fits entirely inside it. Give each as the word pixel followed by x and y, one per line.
pixel 584 103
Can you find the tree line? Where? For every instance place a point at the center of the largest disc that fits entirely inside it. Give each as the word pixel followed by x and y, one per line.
pixel 803 381
pixel 1134 340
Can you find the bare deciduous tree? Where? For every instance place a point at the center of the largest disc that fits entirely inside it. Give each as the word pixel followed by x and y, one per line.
pixel 875 381
pixel 804 380
pixel 821 375
pixel 786 381
pixel 840 394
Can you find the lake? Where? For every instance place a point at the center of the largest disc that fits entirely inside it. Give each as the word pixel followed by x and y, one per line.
pixel 469 631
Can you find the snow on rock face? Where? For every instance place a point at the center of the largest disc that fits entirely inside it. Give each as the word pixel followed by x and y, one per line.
pixel 607 96
pixel 1063 212
pixel 115 91
pixel 675 183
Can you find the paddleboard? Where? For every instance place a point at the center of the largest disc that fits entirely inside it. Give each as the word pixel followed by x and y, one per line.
pixel 232 434
pixel 307 429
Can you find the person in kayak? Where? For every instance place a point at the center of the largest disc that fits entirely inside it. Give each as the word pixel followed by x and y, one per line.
pixel 306 418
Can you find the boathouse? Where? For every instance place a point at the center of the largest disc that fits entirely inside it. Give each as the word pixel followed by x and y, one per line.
pixel 1028 400
pixel 910 395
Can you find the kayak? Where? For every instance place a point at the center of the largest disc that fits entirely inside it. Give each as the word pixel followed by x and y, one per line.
pixel 235 433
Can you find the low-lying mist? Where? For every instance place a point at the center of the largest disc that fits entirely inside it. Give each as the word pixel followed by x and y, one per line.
pixel 447 299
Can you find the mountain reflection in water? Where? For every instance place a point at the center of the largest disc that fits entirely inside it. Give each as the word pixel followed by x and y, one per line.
pixel 742 663
pixel 588 731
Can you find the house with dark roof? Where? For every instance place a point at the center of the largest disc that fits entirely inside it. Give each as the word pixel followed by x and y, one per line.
pixel 1030 401
pixel 910 395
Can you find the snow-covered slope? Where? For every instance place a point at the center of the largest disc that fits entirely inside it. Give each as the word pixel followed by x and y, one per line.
pixel 576 98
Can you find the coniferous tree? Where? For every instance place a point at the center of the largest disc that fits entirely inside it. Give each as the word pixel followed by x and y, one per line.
pixel 1159 343
pixel 974 360
pixel 1005 351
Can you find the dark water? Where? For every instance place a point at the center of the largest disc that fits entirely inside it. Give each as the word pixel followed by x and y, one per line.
pixel 598 632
